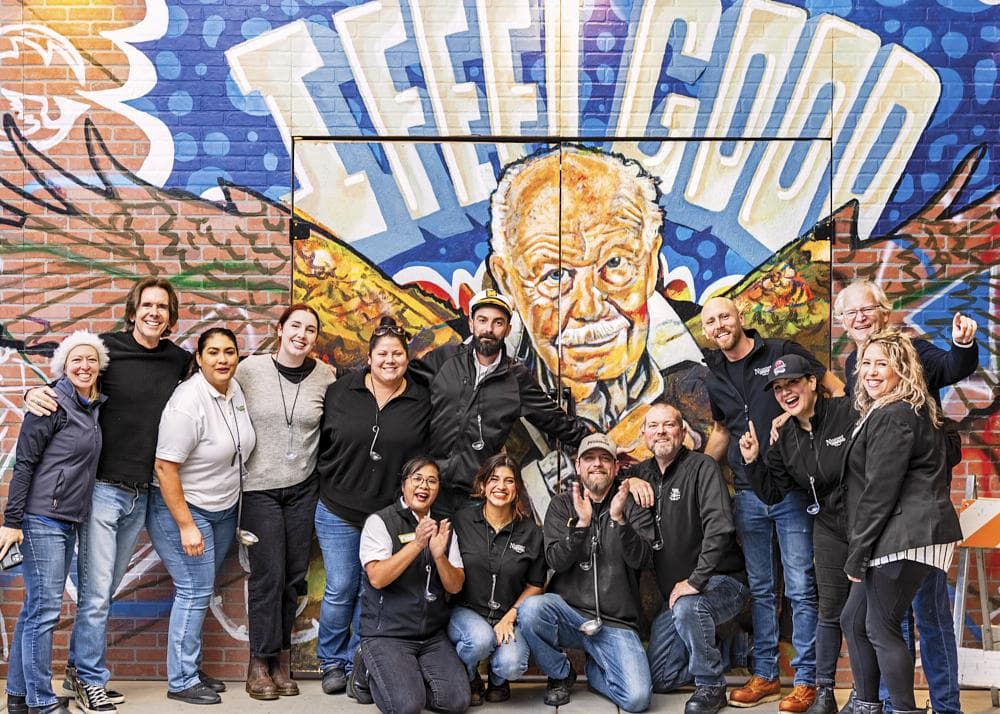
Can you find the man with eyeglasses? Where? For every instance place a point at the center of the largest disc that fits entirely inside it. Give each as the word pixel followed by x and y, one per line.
pixel 738 374
pixel 477 394
pixel 697 561
pixel 864 309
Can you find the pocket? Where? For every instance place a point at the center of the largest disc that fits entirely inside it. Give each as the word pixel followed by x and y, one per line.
pixel 57 491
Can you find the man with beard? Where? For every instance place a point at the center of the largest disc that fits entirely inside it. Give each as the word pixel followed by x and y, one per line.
pixel 864 309
pixel 698 564
pixel 597 540
pixel 738 375
pixel 477 393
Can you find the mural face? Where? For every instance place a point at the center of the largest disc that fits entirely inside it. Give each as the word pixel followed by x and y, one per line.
pixel 609 165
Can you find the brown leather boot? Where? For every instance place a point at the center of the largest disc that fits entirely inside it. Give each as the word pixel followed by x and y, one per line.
pixel 281 674
pixel 259 683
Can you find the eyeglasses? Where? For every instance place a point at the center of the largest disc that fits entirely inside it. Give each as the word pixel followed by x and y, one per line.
pixel 422 481
pixel 867 311
pixel 383 330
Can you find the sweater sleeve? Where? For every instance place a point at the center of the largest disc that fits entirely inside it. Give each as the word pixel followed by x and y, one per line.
pixel 716 523
pixel 36 433
pixel 942 369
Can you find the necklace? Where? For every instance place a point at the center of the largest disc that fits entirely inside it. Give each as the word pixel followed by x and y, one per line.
pixel 371 385
pixel 289 416
pixel 238 451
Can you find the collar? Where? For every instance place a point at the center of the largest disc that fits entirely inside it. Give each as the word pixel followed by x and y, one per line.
pixel 654 467
pixel 66 387
pixel 212 391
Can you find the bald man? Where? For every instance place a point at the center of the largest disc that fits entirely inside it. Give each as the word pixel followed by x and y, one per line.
pixel 739 371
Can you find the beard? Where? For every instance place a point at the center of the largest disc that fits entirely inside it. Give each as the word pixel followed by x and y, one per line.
pixel 488 347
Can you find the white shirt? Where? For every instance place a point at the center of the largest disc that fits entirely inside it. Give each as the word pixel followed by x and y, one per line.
pixel 376 543
pixel 200 429
pixel 482 370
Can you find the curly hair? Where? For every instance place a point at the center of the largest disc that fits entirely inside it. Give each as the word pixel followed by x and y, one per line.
pixel 904 361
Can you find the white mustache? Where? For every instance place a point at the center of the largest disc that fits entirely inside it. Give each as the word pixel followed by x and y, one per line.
pixel 593 331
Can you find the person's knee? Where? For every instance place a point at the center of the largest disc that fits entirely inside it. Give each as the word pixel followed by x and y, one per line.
pixel 509 663
pixel 532 610
pixel 634 699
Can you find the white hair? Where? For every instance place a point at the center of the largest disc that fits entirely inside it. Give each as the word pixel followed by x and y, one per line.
pixel 80 337
pixel 874 289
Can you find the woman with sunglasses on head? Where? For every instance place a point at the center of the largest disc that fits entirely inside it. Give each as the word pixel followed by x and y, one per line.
pixel 205 438
pixel 504 560
pixel 280 492
pixel 412 562
pixel 808 456
pixel 902 523
pixel 373 421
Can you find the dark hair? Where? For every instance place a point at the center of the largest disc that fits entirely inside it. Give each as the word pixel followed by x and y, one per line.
pixel 208 334
pixel 417 463
pixel 295 307
pixel 522 504
pixel 134 299
pixel 388 327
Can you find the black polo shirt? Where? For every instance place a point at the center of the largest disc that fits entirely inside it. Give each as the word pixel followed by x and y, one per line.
pixel 515 554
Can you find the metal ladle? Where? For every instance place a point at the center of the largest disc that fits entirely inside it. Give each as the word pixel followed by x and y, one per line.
pixel 478 444
pixel 592 627
pixel 245 537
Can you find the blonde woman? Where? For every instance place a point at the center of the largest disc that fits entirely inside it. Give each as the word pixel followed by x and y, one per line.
pixel 902 524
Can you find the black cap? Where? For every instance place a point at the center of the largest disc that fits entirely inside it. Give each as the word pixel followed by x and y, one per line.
pixel 789 367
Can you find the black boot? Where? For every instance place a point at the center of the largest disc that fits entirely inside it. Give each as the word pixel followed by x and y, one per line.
pixel 848 707
pixel 861 707
pixel 706 700
pixel 825 702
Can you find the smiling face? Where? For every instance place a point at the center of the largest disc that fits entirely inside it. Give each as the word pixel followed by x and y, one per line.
pixel 489 327
pixel 861 314
pixel 152 316
pixel 597 470
pixel 500 488
pixel 388 360
pixel 580 262
pixel 217 360
pixel 663 430
pixel 298 337
pixel 797 396
pixel 877 374
pixel 420 489
pixel 722 323
pixel 82 368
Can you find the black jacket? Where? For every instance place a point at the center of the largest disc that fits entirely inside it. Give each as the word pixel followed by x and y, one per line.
pixel 696 522
pixel 898 493
pixel 56 460
pixel 799 454
pixel 458 405
pixel 622 552
pixel 736 404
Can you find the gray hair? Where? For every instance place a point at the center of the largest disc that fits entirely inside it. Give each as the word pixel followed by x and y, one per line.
pixel 80 337
pixel 881 299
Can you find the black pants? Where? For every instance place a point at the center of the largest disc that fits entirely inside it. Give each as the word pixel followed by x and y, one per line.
pixel 871 622
pixel 832 587
pixel 405 676
pixel 282 518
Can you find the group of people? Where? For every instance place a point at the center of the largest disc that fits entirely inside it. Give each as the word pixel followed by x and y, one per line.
pixel 434 561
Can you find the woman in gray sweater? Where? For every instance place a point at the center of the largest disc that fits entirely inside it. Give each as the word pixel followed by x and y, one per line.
pixel 284 393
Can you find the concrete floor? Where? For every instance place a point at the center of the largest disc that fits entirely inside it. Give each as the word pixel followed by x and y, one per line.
pixel 150 697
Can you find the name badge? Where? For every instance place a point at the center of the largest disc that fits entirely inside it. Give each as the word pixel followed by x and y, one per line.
pixel 407 537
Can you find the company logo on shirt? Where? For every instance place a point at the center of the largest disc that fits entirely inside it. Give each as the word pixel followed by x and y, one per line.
pixel 762 371
pixel 836 441
pixel 517 547
pixel 675 494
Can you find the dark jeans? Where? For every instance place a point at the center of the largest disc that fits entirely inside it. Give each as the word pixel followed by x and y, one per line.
pixel 832 585
pixel 282 518
pixel 407 675
pixel 871 622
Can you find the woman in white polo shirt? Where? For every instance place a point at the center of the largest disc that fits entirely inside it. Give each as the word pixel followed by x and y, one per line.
pixel 205 438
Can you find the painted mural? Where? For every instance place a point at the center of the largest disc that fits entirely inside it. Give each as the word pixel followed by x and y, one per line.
pixel 608 164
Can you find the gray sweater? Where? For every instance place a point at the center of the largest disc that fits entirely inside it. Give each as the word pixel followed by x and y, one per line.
pixel 268 466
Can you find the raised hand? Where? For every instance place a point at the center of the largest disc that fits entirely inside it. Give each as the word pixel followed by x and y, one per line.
pixel 749 446
pixel 439 541
pixel 963 329
pixel 582 505
pixel 618 504
pixel 427 527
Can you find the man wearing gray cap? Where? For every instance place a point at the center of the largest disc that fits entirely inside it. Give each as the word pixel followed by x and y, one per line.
pixel 597 540
pixel 477 393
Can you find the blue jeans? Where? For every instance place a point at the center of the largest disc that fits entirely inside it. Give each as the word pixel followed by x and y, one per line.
pixel 682 644
pixel 340 611
pixel 475 640
pixel 107 539
pixel 48 553
pixel 616 662
pixel 194 581
pixel 938 646
pixel 756 524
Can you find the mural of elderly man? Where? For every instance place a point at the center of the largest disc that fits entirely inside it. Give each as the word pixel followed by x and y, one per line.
pixel 575 243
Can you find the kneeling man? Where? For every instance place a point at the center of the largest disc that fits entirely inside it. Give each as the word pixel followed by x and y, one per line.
pixel 597 540
pixel 698 564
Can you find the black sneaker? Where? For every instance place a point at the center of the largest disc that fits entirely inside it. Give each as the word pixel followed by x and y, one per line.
pixel 196 694
pixel 93 699
pixel 70 681
pixel 557 690
pixel 497 692
pixel 357 682
pixel 216 685
pixel 477 690
pixel 334 680
pixel 706 700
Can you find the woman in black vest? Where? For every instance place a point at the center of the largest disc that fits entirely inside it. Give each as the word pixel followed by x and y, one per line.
pixel 505 564
pixel 411 563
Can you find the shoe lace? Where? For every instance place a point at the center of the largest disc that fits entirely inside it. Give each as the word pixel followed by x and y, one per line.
pixel 96 695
